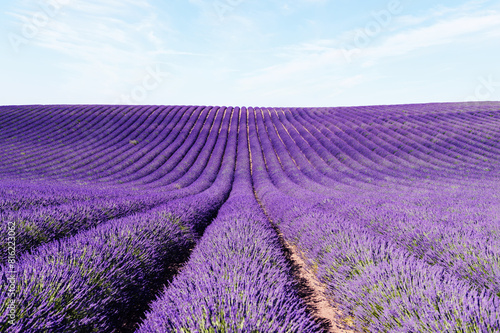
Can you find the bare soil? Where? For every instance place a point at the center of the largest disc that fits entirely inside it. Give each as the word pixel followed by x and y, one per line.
pixel 316 300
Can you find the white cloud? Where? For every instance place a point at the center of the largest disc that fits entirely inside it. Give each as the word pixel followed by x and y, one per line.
pixel 321 65
pixel 105 45
pixel 101 49
pixel 316 54
pixel 456 30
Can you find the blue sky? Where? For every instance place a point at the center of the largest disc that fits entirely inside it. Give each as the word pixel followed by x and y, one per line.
pixel 248 52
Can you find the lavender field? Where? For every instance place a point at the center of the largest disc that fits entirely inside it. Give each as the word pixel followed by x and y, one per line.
pixel 182 218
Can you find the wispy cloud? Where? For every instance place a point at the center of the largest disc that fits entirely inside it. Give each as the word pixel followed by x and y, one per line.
pixel 106 43
pixel 462 30
pixel 314 57
pixel 275 52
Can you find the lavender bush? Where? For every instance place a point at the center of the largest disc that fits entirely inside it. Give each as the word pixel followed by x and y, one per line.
pixel 165 218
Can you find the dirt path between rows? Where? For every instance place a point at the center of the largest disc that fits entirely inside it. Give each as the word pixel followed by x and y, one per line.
pixel 310 289
pixel 316 300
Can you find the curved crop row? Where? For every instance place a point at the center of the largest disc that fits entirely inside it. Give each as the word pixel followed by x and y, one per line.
pixel 340 253
pixel 237 278
pixel 95 276
pixel 394 209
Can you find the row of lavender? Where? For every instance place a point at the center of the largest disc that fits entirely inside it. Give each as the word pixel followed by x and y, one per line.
pixel 369 195
pixel 106 274
pixel 141 146
pixel 375 144
pixel 103 270
pixel 366 245
pixel 237 278
pixel 419 256
pixel 44 224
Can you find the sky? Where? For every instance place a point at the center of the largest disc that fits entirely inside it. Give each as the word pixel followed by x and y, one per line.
pixel 274 53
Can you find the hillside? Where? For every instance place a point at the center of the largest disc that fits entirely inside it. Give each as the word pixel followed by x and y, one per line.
pixel 186 218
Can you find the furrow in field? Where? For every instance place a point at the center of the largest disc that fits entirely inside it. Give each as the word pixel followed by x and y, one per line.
pixel 108 166
pixel 54 152
pixel 48 131
pixel 130 254
pixel 237 277
pixel 117 136
pixel 147 161
pixel 118 149
pixel 195 159
pixel 191 145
